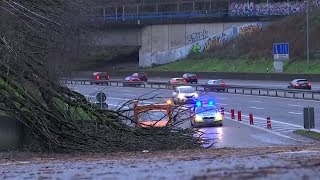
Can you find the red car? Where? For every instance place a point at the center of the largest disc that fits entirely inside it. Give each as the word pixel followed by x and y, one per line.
pixel 99 76
pixel 300 84
pixel 215 85
pixel 190 78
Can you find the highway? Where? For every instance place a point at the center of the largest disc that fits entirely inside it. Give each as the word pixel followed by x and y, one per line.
pixel 256 83
pixel 286 114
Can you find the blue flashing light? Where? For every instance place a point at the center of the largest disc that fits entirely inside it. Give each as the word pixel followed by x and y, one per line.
pixel 198 103
pixel 210 103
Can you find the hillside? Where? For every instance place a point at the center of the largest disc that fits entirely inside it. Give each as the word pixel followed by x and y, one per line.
pixel 258 43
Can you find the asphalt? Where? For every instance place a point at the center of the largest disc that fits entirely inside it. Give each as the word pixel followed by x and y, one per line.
pixel 286 114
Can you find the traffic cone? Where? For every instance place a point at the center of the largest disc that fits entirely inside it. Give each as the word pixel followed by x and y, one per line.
pixel 251 118
pixel 269 123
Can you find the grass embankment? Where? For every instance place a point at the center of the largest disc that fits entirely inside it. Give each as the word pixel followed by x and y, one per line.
pixel 251 51
pixel 243 65
pixel 310 134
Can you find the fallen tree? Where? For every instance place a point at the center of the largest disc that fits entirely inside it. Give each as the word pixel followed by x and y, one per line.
pixel 38 41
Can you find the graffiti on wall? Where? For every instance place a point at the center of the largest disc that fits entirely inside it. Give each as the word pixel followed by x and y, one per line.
pixel 175 44
pixel 197 36
pixel 223 38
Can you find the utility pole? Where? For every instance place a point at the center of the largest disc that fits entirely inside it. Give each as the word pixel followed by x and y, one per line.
pixel 307 20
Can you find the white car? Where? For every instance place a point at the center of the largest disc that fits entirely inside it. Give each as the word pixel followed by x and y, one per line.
pixel 185 94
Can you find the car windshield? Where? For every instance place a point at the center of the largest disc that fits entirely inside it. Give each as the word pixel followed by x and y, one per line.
pixel 186 90
pixel 205 109
pixel 153 116
pixel 303 81
pixel 178 80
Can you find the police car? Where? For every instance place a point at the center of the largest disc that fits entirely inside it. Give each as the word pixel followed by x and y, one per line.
pixel 205 114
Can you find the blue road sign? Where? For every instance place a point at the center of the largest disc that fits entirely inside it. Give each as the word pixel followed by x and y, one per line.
pixel 281 51
pixel 281 48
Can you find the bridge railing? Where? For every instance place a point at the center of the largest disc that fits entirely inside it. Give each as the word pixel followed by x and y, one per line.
pixel 160 16
pixel 245 90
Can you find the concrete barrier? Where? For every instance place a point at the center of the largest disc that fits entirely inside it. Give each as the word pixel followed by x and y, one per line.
pixel 210 75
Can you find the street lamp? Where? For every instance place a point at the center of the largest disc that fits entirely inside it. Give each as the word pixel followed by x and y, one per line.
pixel 307 20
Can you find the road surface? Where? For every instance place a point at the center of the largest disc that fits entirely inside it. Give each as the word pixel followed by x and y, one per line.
pixel 286 114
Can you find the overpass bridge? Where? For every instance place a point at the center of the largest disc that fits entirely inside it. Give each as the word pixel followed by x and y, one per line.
pixel 166 36
pixel 165 43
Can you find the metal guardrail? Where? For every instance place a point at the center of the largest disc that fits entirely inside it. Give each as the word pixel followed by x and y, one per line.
pixel 248 90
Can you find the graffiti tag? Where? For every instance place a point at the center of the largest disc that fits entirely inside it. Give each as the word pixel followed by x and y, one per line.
pixel 197 36
pixel 175 43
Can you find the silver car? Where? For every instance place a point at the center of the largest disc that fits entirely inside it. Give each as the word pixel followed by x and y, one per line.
pixel 184 94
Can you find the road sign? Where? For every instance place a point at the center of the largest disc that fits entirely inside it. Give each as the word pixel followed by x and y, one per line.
pixel 101 97
pixel 281 51
pixel 308 114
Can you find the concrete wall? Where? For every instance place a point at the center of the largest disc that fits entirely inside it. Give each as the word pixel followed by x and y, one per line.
pixel 118 37
pixel 160 44
pixel 167 43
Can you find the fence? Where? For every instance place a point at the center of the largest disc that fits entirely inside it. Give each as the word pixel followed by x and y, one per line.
pixel 196 9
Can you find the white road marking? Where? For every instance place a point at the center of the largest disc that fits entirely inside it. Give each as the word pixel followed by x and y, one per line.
pixel 125 99
pixel 256 108
pixel 222 104
pixel 296 113
pixel 288 98
pixel 294 105
pixel 272 120
pixel 118 105
pixel 256 101
pixel 267 130
pixel 222 98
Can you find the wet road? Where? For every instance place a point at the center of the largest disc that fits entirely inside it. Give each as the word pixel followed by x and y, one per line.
pixel 286 114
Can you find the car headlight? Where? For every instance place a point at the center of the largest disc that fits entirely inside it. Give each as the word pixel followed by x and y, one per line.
pixel 180 96
pixel 196 95
pixel 198 118
pixel 218 116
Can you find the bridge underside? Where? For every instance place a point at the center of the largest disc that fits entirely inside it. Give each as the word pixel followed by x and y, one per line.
pixel 160 44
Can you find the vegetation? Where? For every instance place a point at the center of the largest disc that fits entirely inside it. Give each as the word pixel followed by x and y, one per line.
pixel 39 40
pixel 307 133
pixel 237 65
pixel 252 51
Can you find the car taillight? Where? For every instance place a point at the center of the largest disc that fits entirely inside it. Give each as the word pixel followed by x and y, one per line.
pixel 309 84
pixel 196 77
pixel 108 76
pixel 97 77
pixel 223 84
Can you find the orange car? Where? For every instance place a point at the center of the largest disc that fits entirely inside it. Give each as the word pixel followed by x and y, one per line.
pixel 154 115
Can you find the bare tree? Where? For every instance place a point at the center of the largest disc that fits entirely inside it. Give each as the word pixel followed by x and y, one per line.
pixel 38 39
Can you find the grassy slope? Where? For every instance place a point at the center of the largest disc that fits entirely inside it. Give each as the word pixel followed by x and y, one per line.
pixel 244 65
pixel 310 134
pixel 254 51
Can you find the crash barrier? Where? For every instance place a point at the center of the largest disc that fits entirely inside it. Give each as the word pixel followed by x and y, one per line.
pixel 269 123
pixel 211 75
pixel 251 118
pixel 246 90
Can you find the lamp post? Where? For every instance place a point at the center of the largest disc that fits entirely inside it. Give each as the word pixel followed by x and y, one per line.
pixel 307 21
